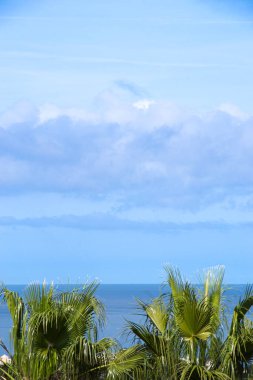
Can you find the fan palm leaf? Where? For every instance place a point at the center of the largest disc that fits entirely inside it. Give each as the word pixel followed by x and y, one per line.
pixel 55 333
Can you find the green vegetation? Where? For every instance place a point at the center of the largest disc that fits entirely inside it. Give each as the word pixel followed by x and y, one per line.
pixel 184 336
pixel 54 336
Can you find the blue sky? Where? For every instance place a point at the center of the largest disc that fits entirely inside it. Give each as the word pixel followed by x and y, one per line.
pixel 126 138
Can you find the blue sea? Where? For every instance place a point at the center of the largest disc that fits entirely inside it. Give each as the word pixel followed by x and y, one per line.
pixel 120 305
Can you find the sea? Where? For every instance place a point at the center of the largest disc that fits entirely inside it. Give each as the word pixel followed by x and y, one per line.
pixel 121 305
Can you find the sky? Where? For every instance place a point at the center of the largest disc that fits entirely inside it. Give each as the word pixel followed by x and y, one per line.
pixel 126 139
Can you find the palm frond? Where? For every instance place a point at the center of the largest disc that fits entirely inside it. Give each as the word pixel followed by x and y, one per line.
pixel 125 362
pixel 196 372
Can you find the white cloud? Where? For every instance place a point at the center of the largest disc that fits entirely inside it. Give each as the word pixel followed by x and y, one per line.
pixel 233 110
pixel 153 153
pixel 143 104
pixel 50 112
pixel 19 113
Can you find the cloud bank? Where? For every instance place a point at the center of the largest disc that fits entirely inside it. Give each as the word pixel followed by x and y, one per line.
pixel 140 151
pixel 110 222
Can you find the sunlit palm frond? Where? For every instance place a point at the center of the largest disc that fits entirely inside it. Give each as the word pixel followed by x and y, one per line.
pixel 176 282
pixel 153 342
pixel 39 297
pixel 125 362
pixel 16 308
pixel 193 371
pixel 242 309
pixel 157 312
pixel 194 319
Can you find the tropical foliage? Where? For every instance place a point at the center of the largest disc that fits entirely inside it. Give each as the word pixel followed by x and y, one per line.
pixel 55 335
pixel 186 333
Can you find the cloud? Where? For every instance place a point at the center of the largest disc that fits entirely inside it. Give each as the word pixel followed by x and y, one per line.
pixel 234 111
pixel 111 222
pixel 23 112
pixel 143 104
pixel 160 154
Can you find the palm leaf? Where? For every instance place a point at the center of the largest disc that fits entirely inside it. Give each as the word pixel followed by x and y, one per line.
pixel 125 362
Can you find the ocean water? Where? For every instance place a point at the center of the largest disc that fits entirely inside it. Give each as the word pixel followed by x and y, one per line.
pixel 120 305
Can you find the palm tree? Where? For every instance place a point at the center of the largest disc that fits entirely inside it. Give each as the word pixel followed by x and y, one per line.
pixel 237 352
pixel 182 336
pixel 198 317
pixel 161 345
pixel 55 335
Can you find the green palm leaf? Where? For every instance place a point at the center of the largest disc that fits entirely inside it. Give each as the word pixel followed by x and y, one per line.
pixel 194 319
pixel 125 362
